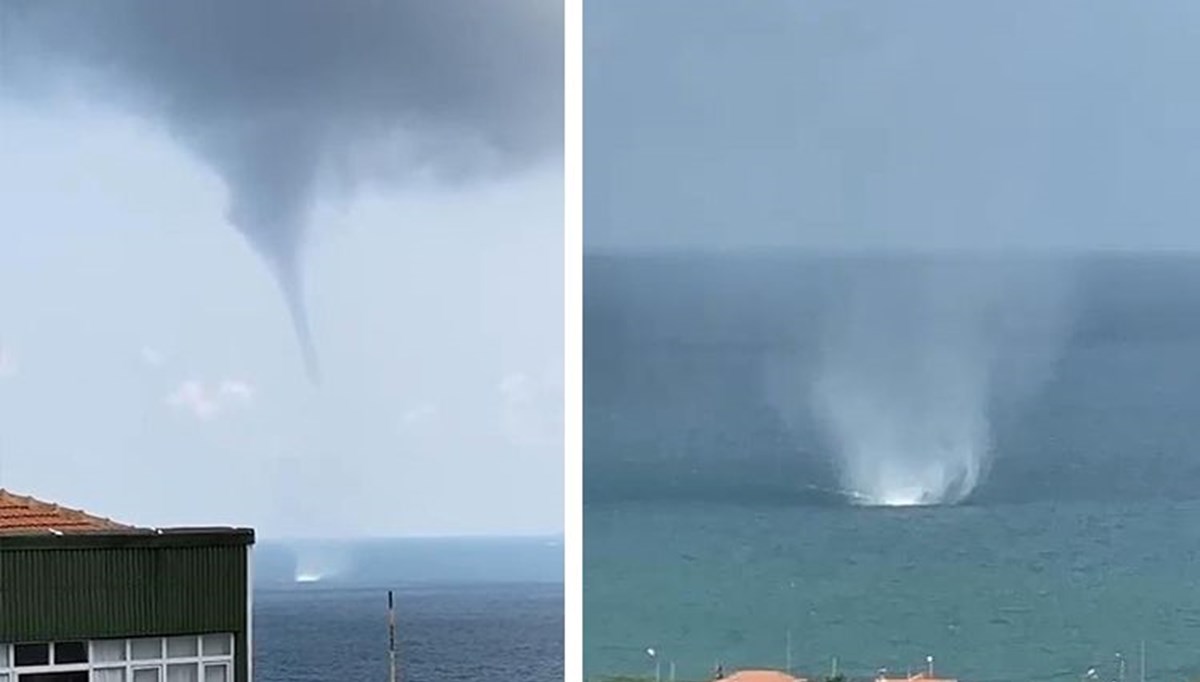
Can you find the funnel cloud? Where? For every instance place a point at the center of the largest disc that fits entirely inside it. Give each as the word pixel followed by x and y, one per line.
pixel 292 101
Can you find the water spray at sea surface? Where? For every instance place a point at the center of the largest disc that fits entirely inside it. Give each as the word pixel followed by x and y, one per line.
pixel 913 359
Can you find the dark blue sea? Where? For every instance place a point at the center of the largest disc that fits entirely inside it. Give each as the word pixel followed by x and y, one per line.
pixel 728 396
pixel 451 624
pixel 452 632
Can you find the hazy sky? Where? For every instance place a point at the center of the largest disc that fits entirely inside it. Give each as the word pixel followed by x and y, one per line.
pixel 148 369
pixel 943 124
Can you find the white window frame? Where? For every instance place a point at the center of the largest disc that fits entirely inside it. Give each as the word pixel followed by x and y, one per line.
pixel 13 670
pixel 200 660
pixel 7 651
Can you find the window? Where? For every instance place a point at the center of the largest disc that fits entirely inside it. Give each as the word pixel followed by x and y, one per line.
pixel 70 652
pixel 183 672
pixel 186 658
pixel 218 645
pixel 28 655
pixel 108 650
pixel 149 649
pixel 182 647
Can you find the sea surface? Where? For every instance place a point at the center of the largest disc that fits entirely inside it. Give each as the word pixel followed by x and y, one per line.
pixel 448 632
pixel 466 609
pixel 1028 591
pixel 717 524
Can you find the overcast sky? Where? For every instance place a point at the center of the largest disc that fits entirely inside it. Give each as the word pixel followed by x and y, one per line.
pixel 148 368
pixel 928 124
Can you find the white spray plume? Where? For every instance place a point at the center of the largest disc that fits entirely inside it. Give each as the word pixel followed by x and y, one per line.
pixel 912 359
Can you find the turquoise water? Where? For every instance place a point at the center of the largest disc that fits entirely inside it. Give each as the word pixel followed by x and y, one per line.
pixel 1036 591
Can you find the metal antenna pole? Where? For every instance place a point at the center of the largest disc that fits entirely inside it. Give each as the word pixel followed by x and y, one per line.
pixel 1142 666
pixel 391 638
pixel 789 652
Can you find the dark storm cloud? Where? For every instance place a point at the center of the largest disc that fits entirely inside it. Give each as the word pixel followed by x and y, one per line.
pixel 290 98
pixel 833 124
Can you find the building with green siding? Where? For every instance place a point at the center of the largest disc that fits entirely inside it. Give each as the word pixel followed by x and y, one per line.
pixel 86 599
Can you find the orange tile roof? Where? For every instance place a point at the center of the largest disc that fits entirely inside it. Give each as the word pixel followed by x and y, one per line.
pixel 916 677
pixel 23 515
pixel 761 676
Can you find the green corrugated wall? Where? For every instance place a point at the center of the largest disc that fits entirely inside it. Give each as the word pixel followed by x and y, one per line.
pixel 89 593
